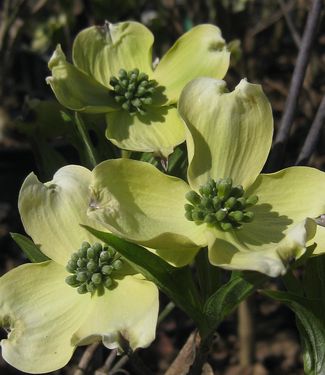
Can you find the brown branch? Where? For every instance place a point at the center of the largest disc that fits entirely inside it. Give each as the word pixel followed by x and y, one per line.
pixel 278 149
pixel 185 357
pixel 295 36
pixel 86 358
pixel 313 134
pixel 107 364
pixel 246 334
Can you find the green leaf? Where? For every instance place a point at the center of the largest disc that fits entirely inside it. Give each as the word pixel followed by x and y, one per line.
pixel 227 298
pixel 311 329
pixel 32 252
pixel 209 276
pixel 177 283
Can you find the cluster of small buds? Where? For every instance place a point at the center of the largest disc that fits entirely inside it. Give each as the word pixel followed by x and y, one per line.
pixel 220 204
pixel 92 268
pixel 133 90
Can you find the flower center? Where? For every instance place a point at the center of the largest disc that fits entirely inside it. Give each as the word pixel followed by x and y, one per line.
pixel 220 204
pixel 93 268
pixel 133 90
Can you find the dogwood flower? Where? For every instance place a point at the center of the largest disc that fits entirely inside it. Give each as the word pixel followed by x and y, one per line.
pixel 112 73
pixel 248 220
pixel 85 293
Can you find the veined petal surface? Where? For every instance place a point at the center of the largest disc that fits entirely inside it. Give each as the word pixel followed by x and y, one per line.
pixel 102 51
pixel 130 309
pixel 41 313
pixel 229 134
pixel 76 90
pixel 159 131
pixel 138 202
pixel 200 52
pixel 51 212
pixel 227 250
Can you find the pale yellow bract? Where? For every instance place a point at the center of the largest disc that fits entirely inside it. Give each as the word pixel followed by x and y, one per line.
pixel 46 318
pixel 228 134
pixel 100 52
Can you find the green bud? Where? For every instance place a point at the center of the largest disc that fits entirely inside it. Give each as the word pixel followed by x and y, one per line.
pixel 226 226
pixel 104 256
pixel 119 89
pixel 206 202
pixel 81 263
pixel 96 278
pixel 72 280
pixel 221 214
pixel 82 276
pixel 97 247
pixel 119 98
pixel 71 266
pixel 142 77
pixel 188 207
pixel 136 102
pixel 108 282
pixel 248 216
pixel 113 81
pixel 117 264
pixel 237 191
pixel 216 203
pixel 85 245
pixel 251 200
pixel 111 251
pixel 151 90
pixel 134 72
pixel 91 287
pixel 126 106
pixel 74 258
pixel 141 111
pixel 107 270
pixel 124 83
pixel 147 101
pixel 82 252
pixel 141 91
pixel 91 266
pixel 128 95
pixel 91 253
pixel 122 73
pixel 198 215
pixel 193 197
pixel 82 289
pixel 224 188
pixel 230 202
pixel 188 215
pixel 210 218
pixel 236 215
pixel 241 203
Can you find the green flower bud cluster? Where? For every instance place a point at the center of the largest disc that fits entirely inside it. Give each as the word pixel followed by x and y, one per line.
pixel 220 204
pixel 133 90
pixel 92 268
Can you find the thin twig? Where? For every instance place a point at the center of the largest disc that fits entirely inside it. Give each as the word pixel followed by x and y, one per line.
pixel 185 357
pixel 246 334
pixel 166 311
pixel 120 363
pixel 267 22
pixel 295 36
pixel 107 364
pixel 312 137
pixel 279 146
pixel 86 358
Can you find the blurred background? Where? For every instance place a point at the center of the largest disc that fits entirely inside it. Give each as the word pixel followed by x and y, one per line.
pixel 264 37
